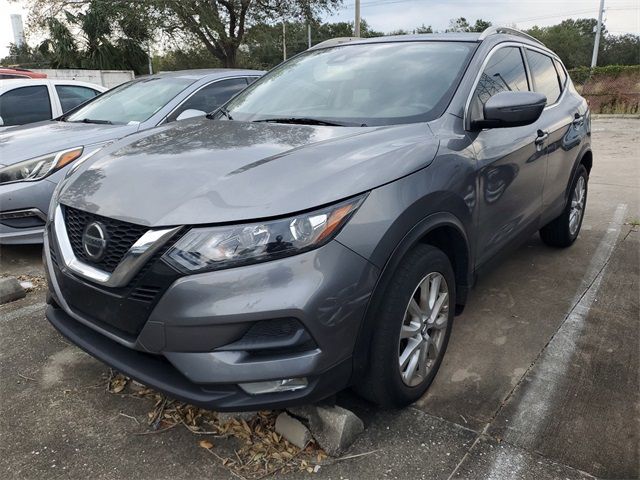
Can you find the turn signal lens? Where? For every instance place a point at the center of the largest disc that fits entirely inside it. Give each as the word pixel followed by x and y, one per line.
pixel 65 158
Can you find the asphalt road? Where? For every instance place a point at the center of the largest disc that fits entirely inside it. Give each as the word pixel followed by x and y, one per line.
pixel 541 379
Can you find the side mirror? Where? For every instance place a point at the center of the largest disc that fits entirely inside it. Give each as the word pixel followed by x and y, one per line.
pixel 512 109
pixel 190 113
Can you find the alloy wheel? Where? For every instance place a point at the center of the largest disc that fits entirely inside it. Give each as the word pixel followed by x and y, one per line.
pixel 578 198
pixel 423 329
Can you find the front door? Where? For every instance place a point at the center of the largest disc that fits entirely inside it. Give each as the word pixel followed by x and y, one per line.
pixel 511 162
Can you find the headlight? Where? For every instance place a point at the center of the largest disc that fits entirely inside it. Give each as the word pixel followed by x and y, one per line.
pixel 39 167
pixel 213 248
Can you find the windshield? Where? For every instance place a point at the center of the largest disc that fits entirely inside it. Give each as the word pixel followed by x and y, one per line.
pixel 370 84
pixel 131 102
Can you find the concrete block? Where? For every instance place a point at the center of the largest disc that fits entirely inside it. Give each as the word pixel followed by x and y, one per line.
pixel 334 428
pixel 293 430
pixel 10 290
pixel 225 417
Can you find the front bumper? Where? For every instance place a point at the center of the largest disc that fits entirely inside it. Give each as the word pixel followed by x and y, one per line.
pixel 25 196
pixel 193 344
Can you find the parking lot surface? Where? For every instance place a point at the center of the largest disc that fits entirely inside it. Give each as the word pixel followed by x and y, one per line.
pixel 540 381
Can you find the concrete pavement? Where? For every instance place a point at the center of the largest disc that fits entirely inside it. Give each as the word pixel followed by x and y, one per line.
pixel 540 381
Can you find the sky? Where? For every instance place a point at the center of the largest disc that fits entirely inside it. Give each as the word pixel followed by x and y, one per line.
pixel 621 16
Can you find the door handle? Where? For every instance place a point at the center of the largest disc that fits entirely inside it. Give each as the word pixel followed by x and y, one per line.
pixel 542 136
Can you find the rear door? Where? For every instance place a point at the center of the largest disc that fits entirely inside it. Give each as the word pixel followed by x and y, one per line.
pixel 511 162
pixel 28 104
pixel 70 96
pixel 562 121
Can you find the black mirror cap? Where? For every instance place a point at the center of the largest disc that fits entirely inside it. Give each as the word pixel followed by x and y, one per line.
pixel 512 109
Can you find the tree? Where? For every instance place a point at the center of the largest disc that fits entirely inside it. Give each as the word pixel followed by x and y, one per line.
pixel 572 40
pixel 102 35
pixel 219 25
pixel 23 56
pixel 263 43
pixel 621 50
pixel 462 25
pixel 423 29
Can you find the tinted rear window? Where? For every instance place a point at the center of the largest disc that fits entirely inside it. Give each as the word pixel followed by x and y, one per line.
pixel 25 105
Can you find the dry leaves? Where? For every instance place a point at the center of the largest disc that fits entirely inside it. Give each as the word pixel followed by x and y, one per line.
pixel 36 281
pixel 261 451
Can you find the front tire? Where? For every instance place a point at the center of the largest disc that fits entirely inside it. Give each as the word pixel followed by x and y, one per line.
pixel 412 329
pixel 563 231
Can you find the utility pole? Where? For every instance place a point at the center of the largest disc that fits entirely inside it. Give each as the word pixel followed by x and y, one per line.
pixel 596 45
pixel 356 28
pixel 149 56
pixel 309 34
pixel 284 40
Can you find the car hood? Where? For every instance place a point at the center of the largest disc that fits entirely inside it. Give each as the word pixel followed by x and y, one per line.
pixel 28 141
pixel 205 172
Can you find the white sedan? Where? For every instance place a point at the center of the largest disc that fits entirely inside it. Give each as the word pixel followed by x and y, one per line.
pixel 33 100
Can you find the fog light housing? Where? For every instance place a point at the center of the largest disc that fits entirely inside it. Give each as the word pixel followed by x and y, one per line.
pixel 273 386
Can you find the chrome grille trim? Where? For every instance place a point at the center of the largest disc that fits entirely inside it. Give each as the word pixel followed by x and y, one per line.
pixel 139 253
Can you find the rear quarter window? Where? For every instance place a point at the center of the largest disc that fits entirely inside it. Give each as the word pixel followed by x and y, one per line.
pixel 562 74
pixel 71 96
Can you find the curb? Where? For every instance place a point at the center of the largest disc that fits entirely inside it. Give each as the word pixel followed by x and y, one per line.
pixel 615 115
pixel 10 290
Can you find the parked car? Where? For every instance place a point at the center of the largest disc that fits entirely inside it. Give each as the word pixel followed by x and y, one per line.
pixel 323 228
pixel 10 73
pixel 34 158
pixel 34 100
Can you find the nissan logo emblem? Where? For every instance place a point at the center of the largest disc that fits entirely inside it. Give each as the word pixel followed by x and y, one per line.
pixel 94 241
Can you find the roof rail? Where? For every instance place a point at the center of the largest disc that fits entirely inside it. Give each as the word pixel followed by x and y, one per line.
pixel 509 31
pixel 332 42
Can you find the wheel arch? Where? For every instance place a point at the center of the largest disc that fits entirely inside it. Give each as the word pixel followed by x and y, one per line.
pixel 443 230
pixel 584 158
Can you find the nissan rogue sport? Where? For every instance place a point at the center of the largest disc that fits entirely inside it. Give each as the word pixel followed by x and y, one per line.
pixel 323 227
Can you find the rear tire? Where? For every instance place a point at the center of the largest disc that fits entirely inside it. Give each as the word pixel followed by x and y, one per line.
pixel 563 231
pixel 412 329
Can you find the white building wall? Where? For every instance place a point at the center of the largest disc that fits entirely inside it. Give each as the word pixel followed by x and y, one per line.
pixel 106 78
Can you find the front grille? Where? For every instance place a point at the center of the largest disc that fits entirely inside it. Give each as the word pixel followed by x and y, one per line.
pixel 121 236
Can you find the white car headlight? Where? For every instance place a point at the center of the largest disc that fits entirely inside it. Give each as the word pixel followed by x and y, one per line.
pixel 39 167
pixel 213 248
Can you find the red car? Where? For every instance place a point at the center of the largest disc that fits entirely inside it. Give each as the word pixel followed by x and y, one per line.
pixel 19 73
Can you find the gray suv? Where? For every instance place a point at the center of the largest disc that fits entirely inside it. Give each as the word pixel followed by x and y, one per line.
pixel 322 229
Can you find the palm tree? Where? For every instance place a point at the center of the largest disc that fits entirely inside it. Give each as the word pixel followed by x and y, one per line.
pixel 110 38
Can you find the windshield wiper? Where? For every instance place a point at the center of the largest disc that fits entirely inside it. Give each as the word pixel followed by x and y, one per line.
pixel 93 120
pixel 303 121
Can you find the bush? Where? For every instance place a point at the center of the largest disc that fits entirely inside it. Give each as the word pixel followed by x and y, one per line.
pixel 609 89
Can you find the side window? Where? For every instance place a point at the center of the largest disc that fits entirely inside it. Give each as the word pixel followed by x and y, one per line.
pixel 210 97
pixel 562 74
pixel 545 77
pixel 504 72
pixel 5 76
pixel 25 105
pixel 73 95
pixel 250 80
